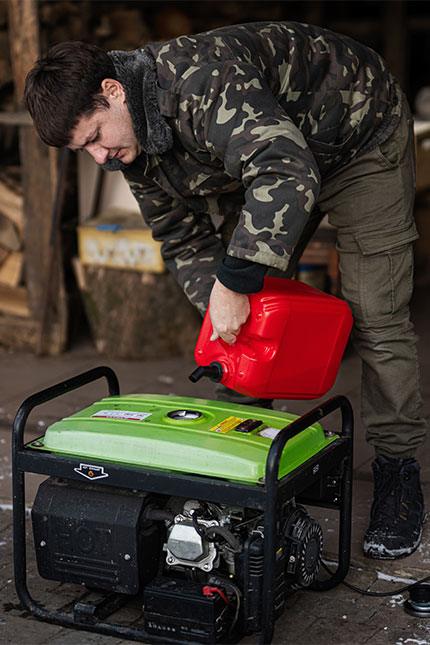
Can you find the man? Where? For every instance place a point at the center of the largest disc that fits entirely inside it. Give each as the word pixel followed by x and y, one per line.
pixel 268 125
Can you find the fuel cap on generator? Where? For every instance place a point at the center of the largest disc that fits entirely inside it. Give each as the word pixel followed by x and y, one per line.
pixel 179 415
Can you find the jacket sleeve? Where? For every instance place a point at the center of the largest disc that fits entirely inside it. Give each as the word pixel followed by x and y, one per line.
pixel 229 110
pixel 190 248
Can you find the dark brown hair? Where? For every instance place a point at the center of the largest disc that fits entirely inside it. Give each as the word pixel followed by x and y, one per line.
pixel 65 85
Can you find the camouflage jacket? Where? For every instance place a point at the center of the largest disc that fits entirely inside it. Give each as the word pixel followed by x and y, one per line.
pixel 259 115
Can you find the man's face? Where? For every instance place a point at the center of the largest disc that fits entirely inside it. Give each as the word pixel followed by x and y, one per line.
pixel 108 133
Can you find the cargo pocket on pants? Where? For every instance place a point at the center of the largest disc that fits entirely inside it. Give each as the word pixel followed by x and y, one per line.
pixel 385 272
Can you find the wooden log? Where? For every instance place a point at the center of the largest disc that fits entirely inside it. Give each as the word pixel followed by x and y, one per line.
pixel 11 205
pixel 137 315
pixel 18 333
pixel 13 300
pixel 9 236
pixel 21 334
pixel 11 269
pixel 3 255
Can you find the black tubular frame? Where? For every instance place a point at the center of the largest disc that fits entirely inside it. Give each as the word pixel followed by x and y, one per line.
pixel 266 496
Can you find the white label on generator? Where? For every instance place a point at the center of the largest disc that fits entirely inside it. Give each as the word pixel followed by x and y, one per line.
pixel 122 414
pixel 270 433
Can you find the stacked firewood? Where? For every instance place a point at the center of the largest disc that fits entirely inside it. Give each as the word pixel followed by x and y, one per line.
pixel 11 199
pixel 13 299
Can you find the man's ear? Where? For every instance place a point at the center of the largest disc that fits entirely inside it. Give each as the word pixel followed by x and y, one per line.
pixel 112 89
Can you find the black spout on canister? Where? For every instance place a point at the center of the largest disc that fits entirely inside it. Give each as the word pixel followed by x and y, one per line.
pixel 214 371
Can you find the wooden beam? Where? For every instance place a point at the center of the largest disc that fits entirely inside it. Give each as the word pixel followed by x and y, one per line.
pixel 23 41
pixel 39 179
pixel 38 205
pixel 15 118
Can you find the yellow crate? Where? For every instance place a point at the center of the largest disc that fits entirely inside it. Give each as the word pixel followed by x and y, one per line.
pixel 119 240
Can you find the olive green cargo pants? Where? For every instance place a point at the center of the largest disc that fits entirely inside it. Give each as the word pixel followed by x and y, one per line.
pixel 370 202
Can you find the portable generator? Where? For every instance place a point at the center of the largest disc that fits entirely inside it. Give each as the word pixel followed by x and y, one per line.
pixel 195 510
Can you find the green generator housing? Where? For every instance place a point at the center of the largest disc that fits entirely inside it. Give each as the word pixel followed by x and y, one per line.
pixel 182 434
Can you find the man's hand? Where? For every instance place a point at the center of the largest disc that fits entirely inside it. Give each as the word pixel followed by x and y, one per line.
pixel 228 311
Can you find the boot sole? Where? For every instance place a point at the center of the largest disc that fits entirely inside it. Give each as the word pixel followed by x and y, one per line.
pixel 380 552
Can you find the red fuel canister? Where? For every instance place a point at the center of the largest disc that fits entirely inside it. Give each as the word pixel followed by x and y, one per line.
pixel 289 348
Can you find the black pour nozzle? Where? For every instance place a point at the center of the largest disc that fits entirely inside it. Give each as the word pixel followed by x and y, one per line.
pixel 213 371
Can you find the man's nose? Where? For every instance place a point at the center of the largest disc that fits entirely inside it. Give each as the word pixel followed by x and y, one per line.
pixel 98 152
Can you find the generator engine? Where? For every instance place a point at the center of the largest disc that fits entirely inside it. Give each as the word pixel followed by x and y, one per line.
pixel 198 564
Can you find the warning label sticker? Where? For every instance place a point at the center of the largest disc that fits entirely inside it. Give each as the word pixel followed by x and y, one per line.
pixel 226 425
pixel 128 415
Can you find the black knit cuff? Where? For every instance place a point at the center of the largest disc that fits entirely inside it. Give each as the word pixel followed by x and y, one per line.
pixel 242 276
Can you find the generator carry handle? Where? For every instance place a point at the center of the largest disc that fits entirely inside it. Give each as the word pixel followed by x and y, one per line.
pixel 57 390
pixel 341 403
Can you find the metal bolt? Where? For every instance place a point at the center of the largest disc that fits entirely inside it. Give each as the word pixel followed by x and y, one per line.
pixel 206 567
pixel 37 444
pixel 43 543
pixel 292 558
pixel 127 556
pixel 170 560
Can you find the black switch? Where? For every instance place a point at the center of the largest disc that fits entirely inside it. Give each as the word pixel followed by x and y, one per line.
pixel 248 425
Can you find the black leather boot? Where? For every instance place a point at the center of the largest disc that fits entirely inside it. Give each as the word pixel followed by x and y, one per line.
pixel 398 512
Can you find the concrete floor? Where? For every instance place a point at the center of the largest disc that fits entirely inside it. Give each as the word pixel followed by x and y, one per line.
pixel 338 616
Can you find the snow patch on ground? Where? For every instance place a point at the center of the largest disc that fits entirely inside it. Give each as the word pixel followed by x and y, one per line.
pixel 390 578
pixel 9 507
pixel 396 601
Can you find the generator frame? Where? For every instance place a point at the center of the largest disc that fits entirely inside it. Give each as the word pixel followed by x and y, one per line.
pixel 304 484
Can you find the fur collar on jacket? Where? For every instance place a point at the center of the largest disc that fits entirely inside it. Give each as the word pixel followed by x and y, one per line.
pixel 136 70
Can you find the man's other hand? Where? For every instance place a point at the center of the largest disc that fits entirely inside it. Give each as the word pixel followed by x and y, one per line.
pixel 228 312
